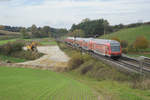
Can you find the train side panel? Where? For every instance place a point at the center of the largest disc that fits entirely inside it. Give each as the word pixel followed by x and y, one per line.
pixel 99 48
pixel 104 47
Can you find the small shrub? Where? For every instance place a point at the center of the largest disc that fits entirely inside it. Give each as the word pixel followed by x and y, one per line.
pixel 145 84
pixel 87 57
pixel 87 66
pixel 11 47
pixel 28 55
pixel 141 43
pixel 125 50
pixel 131 48
pixel 75 61
pixel 124 43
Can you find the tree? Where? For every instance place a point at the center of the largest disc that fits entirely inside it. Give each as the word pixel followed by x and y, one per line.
pixel 85 20
pixel 78 33
pixel 124 43
pixel 34 31
pixel 141 43
pixel 24 33
pixel 92 27
pixel 1 27
pixel 46 31
pixel 62 32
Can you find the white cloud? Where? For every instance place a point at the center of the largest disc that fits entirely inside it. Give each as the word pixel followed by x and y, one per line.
pixel 63 13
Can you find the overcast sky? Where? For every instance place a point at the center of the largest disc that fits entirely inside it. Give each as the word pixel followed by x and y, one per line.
pixel 63 13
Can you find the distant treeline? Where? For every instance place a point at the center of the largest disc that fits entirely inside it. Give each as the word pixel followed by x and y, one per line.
pixel 93 28
pixel 10 28
pixel 86 28
pixel 36 32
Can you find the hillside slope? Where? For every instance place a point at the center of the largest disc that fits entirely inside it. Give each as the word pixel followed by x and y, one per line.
pixel 130 34
pixel 4 35
pixel 2 32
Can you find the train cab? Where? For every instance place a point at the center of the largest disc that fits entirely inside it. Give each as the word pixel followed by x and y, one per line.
pixel 115 51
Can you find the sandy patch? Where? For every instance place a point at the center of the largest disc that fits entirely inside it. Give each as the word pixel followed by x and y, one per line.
pixel 53 57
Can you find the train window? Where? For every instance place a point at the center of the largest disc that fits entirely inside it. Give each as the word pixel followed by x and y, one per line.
pixel 115 48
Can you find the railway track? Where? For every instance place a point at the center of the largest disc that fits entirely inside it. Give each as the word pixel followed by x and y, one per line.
pixel 139 65
pixel 129 64
pixel 124 63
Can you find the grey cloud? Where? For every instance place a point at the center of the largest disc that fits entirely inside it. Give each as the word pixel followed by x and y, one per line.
pixel 63 13
pixel 4 0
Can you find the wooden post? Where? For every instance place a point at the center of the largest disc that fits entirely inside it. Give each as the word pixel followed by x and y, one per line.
pixel 141 59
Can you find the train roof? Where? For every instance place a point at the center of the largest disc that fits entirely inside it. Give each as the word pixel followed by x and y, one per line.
pixel 70 38
pixel 104 41
pixel 98 41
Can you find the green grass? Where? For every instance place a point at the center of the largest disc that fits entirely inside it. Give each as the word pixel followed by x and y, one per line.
pixel 48 43
pixel 130 34
pixel 138 55
pixel 31 84
pixel 112 90
pixel 11 59
pixel 8 32
pixel 6 41
pixel 42 41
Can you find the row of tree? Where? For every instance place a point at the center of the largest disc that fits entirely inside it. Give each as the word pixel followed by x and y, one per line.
pixel 40 32
pixel 86 28
pixel 98 27
pixel 10 28
pixel 92 27
pixel 36 32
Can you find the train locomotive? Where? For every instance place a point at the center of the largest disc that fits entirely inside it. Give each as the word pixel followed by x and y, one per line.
pixel 109 48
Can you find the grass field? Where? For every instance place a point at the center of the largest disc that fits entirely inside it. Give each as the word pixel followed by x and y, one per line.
pixel 42 41
pixel 130 34
pixel 112 90
pixel 6 41
pixel 29 84
pixel 8 32
pixel 11 59
pixel 48 43
pixel 4 35
pixel 137 55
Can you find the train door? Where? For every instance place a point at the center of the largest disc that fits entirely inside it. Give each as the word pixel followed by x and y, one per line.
pixel 90 45
pixel 106 50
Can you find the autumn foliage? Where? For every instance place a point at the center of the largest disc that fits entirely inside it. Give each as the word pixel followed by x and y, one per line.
pixel 141 43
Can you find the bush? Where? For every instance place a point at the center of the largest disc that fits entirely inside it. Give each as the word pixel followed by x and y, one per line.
pixel 125 50
pixel 141 43
pixel 124 43
pixel 11 47
pixel 141 84
pixel 75 61
pixel 87 66
pixel 28 55
pixel 131 48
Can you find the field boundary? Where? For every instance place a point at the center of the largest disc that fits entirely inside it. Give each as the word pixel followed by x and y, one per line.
pixel 58 69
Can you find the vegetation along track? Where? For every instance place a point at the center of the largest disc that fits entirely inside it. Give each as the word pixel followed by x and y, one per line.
pixel 145 67
pixel 124 63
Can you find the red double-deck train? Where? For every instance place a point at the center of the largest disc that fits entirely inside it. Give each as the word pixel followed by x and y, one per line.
pixel 110 48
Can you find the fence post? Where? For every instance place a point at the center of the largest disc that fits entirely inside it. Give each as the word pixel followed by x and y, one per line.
pixel 141 60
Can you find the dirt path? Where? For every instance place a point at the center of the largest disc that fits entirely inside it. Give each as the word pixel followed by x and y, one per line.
pixel 53 57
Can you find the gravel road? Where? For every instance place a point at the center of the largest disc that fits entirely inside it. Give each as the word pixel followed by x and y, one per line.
pixel 53 57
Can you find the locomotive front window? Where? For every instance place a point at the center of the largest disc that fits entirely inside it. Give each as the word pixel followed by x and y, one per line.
pixel 115 48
